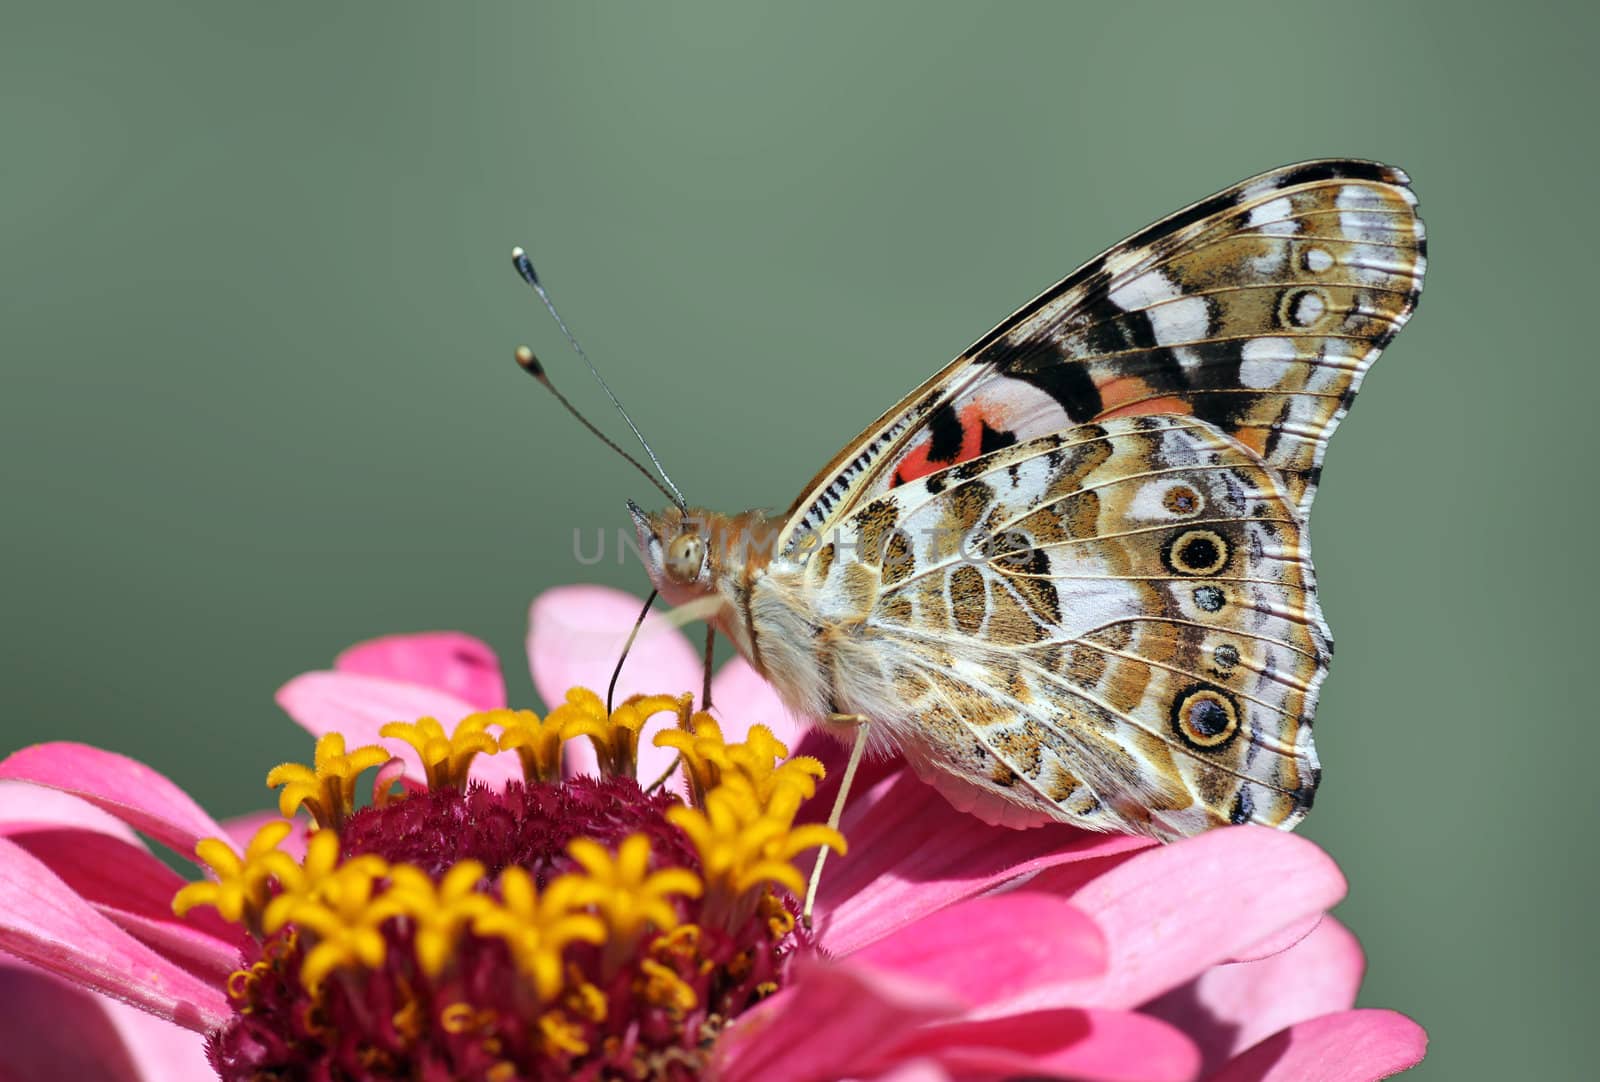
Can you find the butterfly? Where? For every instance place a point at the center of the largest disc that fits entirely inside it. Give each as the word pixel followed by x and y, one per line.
pixel 1069 576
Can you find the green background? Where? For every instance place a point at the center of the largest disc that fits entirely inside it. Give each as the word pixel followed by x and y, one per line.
pixel 259 401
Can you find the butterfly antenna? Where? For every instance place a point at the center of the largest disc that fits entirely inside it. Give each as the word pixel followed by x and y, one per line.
pixel 531 365
pixel 524 265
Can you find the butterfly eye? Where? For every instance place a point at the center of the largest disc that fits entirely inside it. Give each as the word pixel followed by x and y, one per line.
pixel 685 556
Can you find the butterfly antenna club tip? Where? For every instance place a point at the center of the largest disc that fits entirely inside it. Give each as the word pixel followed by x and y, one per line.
pixel 529 363
pixel 524 265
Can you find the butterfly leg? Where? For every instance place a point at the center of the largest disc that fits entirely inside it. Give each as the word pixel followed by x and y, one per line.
pixel 711 653
pixel 856 748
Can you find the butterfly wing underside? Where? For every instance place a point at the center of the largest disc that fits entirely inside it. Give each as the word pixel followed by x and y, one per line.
pixel 1115 624
pixel 1132 457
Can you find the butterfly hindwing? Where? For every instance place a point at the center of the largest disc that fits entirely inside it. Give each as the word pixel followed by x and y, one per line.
pixel 1115 624
pixel 1257 310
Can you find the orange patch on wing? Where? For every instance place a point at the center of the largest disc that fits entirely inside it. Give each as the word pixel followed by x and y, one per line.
pixel 917 462
pixel 1253 438
pixel 1130 396
pixel 1164 404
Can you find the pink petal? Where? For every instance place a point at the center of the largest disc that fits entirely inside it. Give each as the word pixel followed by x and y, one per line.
pixel 163 1051
pixel 742 698
pixel 1230 1007
pixel 1114 1046
pixel 1171 912
pixel 392 774
pixel 447 661
pixel 129 790
pixel 911 854
pixel 494 771
pixel 1351 1046
pixel 579 758
pixel 52 1030
pixel 242 828
pixel 44 922
pixel 29 807
pixel 129 885
pixel 921 1070
pixel 987 948
pixel 357 706
pixel 833 1021
pixel 576 634
pixel 1280 941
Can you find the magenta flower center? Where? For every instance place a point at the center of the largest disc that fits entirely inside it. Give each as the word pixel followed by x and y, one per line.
pixel 555 929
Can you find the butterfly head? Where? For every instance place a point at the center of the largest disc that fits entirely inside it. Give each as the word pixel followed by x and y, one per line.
pixel 676 546
pixel 692 554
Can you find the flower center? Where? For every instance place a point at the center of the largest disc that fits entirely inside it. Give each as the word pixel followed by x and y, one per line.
pixel 555 929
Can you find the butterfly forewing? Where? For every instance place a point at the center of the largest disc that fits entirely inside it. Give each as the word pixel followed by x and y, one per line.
pixel 1257 310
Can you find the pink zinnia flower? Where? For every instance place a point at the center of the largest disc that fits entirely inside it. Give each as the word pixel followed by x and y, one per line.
pixel 944 948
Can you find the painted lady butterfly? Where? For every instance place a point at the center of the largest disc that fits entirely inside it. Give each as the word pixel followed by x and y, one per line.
pixel 1069 576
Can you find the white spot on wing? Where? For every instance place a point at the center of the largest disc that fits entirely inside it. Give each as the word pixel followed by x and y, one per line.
pixel 1271 260
pixel 1358 197
pixel 1144 291
pixel 1274 211
pixel 1308 308
pixel 1265 362
pixel 1018 407
pixel 1180 321
pixel 1318 259
pixel 1260 187
pixel 1096 599
pixel 1174 318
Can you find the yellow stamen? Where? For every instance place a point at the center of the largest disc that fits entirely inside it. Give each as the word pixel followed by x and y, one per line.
pixel 682 942
pixel 538 743
pixel 345 919
pixel 711 762
pixel 743 846
pixel 327 789
pixel 461 1018
pixel 407 1021
pixel 780 921
pixel 458 1018
pixel 584 999
pixel 615 738
pixel 446 758
pixel 537 926
pixel 561 1037
pixel 241 984
pixel 240 892
pixel 662 987
pixel 319 877
pixel 629 896
pixel 439 911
